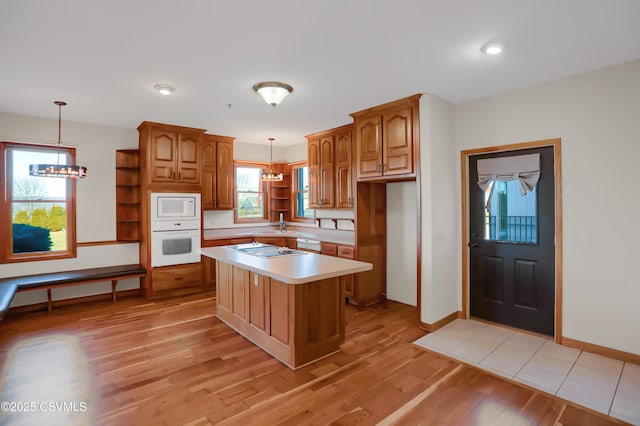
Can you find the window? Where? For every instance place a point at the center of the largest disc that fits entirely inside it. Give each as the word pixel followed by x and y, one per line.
pixel 300 193
pixel 250 203
pixel 509 215
pixel 37 212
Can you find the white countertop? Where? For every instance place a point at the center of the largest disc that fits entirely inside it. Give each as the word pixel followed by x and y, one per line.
pixel 292 269
pixel 326 235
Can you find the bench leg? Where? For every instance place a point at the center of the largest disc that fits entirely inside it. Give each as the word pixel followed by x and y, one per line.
pixel 49 299
pixel 114 283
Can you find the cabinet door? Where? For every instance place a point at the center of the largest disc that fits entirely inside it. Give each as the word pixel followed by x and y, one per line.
pixel 397 132
pixel 344 185
pixel 327 173
pixel 224 175
pixel 314 174
pixel 369 146
pixel 209 175
pixel 188 158
pixel 162 155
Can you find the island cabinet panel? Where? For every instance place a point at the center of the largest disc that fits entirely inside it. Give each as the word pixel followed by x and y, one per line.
pixel 258 298
pixel 280 302
pixel 296 323
pixel 321 323
pixel 239 292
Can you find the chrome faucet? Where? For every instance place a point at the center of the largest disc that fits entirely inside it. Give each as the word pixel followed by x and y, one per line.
pixel 282 225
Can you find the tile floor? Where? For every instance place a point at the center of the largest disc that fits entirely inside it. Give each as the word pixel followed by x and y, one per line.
pixel 606 385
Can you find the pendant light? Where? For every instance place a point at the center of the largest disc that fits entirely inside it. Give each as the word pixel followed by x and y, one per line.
pixel 271 176
pixel 58 170
pixel 273 92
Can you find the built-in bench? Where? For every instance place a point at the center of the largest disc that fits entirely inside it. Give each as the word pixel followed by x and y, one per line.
pixel 9 286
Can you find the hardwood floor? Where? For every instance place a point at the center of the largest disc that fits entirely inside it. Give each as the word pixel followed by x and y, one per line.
pixel 172 362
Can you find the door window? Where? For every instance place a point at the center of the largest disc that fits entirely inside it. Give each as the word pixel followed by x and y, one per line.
pixel 510 216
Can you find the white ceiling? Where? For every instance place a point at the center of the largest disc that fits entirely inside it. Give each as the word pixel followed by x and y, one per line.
pixel 341 56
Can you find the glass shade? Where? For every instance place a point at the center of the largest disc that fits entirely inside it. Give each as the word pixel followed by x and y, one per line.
pixel 273 92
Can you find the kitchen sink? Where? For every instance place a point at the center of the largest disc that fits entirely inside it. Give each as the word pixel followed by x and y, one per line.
pixel 266 250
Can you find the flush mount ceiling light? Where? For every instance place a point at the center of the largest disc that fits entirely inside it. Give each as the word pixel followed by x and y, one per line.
pixel 58 170
pixel 272 92
pixel 271 176
pixel 491 48
pixel 164 89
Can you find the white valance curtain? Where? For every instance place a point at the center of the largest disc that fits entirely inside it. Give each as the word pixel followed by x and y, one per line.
pixel 523 168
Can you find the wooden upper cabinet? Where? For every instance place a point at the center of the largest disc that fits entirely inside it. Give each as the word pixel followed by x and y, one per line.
pixel 313 157
pixel 330 164
pixel 326 172
pixel 170 154
pixel 343 164
pixel 387 138
pixel 397 142
pixel 224 174
pixel 189 161
pixel 369 146
pixel 217 173
pixel 162 151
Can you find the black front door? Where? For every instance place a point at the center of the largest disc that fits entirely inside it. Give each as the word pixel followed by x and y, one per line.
pixel 512 249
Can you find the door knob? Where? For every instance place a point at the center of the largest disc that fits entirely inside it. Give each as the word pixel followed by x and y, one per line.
pixel 474 245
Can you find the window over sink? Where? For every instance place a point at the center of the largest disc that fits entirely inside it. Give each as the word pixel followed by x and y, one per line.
pixel 250 193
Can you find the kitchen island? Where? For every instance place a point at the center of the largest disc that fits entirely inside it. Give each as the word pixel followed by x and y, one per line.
pixel 291 305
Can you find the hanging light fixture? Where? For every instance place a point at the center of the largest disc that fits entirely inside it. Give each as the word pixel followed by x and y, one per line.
pixel 272 92
pixel 271 176
pixel 58 170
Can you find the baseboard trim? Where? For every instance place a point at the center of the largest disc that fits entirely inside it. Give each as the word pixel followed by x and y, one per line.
pixel 601 350
pixel 43 306
pixel 440 323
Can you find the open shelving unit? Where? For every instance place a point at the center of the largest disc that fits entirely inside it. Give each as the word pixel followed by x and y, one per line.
pixel 279 195
pixel 128 195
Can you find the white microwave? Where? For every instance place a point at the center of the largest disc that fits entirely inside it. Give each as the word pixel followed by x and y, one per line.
pixel 175 206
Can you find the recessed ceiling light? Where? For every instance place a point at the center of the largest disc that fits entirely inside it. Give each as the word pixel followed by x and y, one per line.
pixel 164 89
pixel 491 49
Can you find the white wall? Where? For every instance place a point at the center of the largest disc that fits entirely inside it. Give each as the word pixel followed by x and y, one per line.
pixel 402 240
pixel 439 192
pixel 95 198
pixel 597 116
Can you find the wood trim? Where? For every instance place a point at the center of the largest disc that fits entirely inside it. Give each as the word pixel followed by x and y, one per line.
pixel 330 131
pixel 464 157
pixel 417 161
pixel 392 104
pixel 440 323
pixel 601 350
pixel 104 243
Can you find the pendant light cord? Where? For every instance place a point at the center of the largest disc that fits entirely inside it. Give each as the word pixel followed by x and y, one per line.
pixel 60 105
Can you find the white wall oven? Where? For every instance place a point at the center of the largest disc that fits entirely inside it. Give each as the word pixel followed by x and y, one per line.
pixel 175 228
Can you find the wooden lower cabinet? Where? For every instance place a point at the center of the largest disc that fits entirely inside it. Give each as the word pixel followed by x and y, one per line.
pixel 296 323
pixel 176 277
pixel 347 252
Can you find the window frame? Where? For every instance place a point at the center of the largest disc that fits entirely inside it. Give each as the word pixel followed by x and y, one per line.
pixel 294 194
pixel 6 215
pixel 264 191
